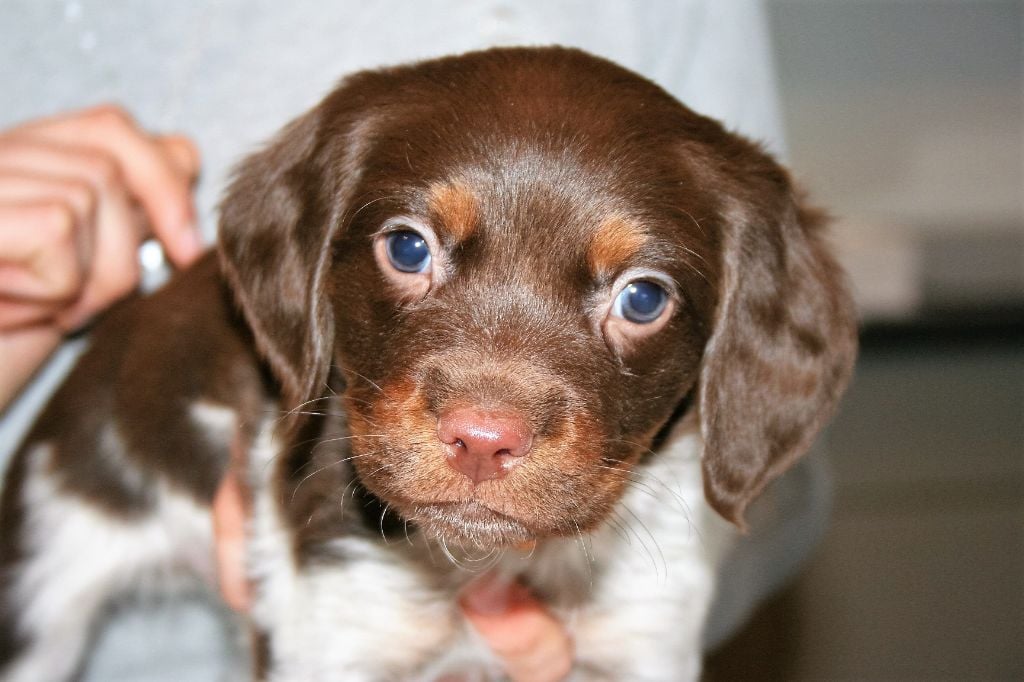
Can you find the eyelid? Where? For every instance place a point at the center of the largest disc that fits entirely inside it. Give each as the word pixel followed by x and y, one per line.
pixel 404 223
pixel 401 223
pixel 649 275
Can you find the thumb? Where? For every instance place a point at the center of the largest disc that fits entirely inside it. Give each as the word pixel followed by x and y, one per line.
pixel 182 246
pixel 531 644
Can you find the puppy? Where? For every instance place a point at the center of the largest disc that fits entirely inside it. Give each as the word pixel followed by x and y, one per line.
pixel 517 310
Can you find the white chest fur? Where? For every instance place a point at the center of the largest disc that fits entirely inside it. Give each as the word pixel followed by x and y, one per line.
pixel 634 593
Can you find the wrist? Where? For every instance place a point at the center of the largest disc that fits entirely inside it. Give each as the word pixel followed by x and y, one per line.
pixel 24 351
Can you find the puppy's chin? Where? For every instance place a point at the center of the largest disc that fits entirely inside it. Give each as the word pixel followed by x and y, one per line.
pixel 471 525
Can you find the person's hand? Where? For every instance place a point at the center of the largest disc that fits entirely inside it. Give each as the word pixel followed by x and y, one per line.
pixel 78 193
pixel 531 644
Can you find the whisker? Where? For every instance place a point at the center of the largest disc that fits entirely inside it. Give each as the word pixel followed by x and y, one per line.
pixel 325 467
pixel 405 526
pixel 586 553
pixel 616 524
pixel 366 205
pixel 631 480
pixel 643 483
pixel 364 378
pixel 311 413
pixel 383 513
pixel 430 550
pixel 683 506
pixel 298 408
pixel 657 545
pixel 448 553
pixel 350 489
pixel 339 439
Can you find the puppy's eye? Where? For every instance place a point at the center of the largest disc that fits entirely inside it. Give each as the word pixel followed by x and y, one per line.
pixel 408 251
pixel 641 302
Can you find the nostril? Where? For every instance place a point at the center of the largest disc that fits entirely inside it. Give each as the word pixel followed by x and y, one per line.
pixel 484 444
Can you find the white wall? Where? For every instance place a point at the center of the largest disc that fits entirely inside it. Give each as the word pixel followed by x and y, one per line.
pixel 906 118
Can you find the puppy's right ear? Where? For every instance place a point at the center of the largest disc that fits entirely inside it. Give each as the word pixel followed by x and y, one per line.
pixel 274 239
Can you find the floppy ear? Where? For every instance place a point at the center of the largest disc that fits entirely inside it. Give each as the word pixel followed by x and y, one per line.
pixel 276 227
pixel 781 351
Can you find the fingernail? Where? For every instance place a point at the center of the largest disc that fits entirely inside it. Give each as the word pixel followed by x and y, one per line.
pixel 190 243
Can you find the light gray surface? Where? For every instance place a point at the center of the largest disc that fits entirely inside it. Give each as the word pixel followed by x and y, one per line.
pixel 178 638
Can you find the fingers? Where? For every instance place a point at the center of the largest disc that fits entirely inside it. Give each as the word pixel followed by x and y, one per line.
pixel 532 645
pixel 158 172
pixel 86 186
pixel 78 194
pixel 43 263
pixel 229 536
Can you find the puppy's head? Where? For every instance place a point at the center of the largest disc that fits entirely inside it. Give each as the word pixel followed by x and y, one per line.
pixel 523 262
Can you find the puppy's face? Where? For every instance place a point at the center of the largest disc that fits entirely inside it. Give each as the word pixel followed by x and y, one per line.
pixel 522 262
pixel 516 320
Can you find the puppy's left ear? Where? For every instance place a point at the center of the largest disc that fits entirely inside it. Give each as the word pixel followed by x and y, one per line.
pixel 274 239
pixel 781 351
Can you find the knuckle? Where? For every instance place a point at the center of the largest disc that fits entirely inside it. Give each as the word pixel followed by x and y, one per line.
pixel 56 220
pixel 81 196
pixel 124 281
pixel 110 116
pixel 69 285
pixel 102 169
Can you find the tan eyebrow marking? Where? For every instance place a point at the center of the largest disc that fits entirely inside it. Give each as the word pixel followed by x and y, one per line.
pixel 454 207
pixel 617 240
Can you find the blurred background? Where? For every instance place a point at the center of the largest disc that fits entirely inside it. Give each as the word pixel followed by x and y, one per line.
pixel 905 118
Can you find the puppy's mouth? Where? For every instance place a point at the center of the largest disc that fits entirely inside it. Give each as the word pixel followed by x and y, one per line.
pixel 470 523
pixel 487 473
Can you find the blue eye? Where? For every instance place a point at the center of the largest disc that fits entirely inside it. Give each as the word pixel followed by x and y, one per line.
pixel 641 302
pixel 408 251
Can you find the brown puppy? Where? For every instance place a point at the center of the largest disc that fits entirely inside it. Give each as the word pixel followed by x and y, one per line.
pixel 519 295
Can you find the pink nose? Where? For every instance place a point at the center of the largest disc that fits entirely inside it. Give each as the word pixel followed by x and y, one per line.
pixel 484 444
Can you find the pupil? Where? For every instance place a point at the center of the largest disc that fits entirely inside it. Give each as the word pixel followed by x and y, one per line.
pixel 644 298
pixel 408 250
pixel 642 302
